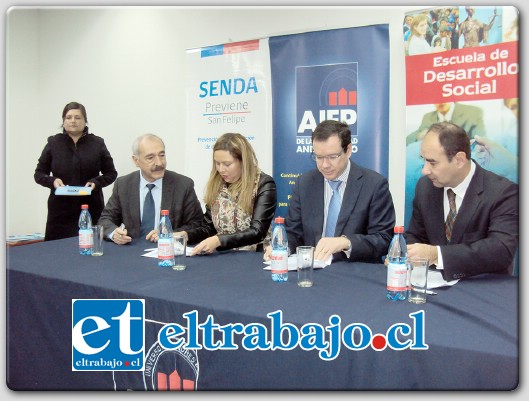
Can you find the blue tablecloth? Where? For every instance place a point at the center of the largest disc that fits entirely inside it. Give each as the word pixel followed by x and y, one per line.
pixel 471 329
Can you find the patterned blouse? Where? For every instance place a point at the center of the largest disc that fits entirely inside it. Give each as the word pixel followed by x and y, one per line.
pixel 228 217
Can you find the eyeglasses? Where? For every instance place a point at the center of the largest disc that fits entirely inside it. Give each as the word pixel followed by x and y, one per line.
pixel 329 158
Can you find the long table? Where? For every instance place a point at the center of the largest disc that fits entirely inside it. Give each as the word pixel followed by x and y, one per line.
pixel 470 329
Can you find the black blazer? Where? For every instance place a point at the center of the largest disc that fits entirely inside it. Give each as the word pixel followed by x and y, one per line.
pixel 485 233
pixel 263 213
pixel 178 196
pixel 75 164
pixel 366 218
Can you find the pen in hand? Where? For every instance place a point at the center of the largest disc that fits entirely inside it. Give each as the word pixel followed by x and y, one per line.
pixel 121 228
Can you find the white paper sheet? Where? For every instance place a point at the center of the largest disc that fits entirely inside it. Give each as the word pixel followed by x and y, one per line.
pixel 153 252
pixel 293 263
pixel 436 280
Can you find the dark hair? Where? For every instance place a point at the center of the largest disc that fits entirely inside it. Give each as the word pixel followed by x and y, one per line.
pixel 452 138
pixel 74 106
pixel 328 128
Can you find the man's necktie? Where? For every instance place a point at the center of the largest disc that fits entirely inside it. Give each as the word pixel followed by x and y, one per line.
pixel 334 209
pixel 449 224
pixel 147 219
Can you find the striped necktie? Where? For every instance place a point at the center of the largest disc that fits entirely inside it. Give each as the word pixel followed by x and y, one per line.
pixel 451 218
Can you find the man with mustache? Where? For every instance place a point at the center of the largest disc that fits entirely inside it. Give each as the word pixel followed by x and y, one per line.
pixel 125 215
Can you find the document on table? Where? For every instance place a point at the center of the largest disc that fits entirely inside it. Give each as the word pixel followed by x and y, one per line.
pixel 436 280
pixel 153 252
pixel 71 190
pixel 293 263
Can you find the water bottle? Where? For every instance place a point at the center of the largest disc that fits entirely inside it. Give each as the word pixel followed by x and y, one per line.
pixel 397 280
pixel 279 256
pixel 86 236
pixel 165 241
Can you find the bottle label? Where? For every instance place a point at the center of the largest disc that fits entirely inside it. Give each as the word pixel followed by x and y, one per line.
pixel 86 239
pixel 397 277
pixel 279 262
pixel 165 248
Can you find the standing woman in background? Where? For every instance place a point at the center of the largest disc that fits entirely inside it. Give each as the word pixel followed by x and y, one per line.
pixel 240 200
pixel 74 158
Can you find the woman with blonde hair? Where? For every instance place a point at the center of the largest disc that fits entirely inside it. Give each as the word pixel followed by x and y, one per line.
pixel 417 43
pixel 240 200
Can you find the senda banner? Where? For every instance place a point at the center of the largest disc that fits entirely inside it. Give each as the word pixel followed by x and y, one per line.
pixel 227 90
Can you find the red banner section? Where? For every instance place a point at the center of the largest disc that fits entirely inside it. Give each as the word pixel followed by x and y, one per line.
pixel 478 73
pixel 240 47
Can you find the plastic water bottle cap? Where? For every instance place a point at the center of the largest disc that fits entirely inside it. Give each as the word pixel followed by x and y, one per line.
pixel 84 206
pixel 279 220
pixel 398 230
pixel 165 212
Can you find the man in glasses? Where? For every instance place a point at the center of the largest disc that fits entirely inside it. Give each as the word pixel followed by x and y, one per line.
pixel 346 211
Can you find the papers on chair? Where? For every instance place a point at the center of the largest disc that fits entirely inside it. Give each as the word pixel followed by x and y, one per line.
pixel 436 280
pixel 73 191
pixel 293 263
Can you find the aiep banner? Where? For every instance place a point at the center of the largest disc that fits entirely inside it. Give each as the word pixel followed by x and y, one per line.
pixel 340 74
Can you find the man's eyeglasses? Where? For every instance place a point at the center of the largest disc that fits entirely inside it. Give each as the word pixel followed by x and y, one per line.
pixel 329 158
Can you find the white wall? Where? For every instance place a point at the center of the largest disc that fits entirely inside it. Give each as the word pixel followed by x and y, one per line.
pixel 22 111
pixel 126 64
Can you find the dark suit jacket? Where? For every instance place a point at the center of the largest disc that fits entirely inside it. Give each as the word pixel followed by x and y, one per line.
pixel 263 212
pixel 366 218
pixel 485 233
pixel 468 117
pixel 178 196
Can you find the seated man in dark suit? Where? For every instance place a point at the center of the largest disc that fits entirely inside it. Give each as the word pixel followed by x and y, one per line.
pixel 133 210
pixel 341 208
pixel 477 232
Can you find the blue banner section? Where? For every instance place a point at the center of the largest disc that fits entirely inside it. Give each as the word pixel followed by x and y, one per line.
pixel 212 51
pixel 340 74
pixel 336 97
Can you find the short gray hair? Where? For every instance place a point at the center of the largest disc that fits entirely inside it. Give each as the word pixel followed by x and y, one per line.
pixel 137 141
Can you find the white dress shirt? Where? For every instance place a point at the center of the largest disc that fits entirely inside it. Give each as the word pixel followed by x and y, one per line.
pixel 460 192
pixel 156 194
